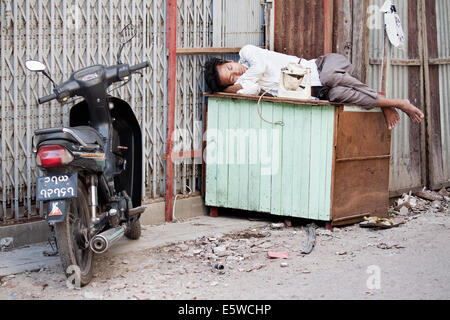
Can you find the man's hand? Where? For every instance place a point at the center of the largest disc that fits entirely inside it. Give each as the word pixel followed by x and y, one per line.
pixel 233 89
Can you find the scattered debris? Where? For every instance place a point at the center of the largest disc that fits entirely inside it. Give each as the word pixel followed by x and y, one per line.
pixel 278 254
pixel 288 223
pixel 277 226
pixel 284 265
pixel 255 267
pixel 430 195
pixel 6 243
pixel 41 284
pixel 436 205
pixel 218 266
pixel 311 234
pixel 383 223
pixel 443 192
pixel 385 246
pixel 404 211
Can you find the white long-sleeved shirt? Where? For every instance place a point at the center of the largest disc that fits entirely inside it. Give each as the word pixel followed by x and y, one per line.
pixel 264 69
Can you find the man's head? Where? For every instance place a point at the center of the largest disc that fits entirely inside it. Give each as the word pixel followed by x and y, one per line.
pixel 220 74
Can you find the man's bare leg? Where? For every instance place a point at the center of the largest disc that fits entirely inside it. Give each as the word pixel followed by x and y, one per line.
pixel 413 113
pixel 391 116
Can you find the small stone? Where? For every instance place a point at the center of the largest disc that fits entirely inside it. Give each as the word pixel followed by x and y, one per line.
pixel 277 226
pixel 183 247
pixel 214 283
pixel 284 264
pixel 6 243
pixel 404 211
pixel 221 251
pixel 436 205
pixel 125 261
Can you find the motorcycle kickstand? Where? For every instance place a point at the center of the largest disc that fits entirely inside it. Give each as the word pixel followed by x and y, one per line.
pixel 53 244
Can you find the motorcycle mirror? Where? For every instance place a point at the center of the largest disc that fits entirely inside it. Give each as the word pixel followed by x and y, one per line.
pixel 35 66
pixel 126 35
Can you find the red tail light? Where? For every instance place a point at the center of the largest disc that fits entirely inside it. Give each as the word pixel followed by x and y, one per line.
pixel 53 156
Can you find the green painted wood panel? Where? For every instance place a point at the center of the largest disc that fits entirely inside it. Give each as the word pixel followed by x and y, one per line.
pixel 282 170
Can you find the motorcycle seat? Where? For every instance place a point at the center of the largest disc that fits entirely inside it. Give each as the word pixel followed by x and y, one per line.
pixel 83 135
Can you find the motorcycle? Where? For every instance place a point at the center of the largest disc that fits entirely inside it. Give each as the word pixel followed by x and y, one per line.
pixel 92 170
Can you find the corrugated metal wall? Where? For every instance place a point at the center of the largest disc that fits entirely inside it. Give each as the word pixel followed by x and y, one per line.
pixel 69 34
pixel 405 172
pixel 443 42
pixel 197 28
pixel 418 72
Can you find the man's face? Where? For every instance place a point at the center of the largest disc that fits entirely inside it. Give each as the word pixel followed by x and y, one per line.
pixel 230 72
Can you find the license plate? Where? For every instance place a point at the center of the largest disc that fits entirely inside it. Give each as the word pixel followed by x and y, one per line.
pixel 57 187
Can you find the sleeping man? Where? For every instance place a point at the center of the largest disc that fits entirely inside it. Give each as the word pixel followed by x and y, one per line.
pixel 259 70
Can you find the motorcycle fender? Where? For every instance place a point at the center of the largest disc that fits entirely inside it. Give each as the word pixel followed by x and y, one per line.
pixel 57 210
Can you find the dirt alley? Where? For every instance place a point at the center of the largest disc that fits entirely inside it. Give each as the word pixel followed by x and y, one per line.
pixel 411 261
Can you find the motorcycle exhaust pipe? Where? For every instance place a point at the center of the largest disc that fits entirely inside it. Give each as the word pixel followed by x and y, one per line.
pixel 103 241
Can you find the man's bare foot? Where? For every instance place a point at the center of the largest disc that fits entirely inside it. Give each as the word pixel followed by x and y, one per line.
pixel 391 116
pixel 413 113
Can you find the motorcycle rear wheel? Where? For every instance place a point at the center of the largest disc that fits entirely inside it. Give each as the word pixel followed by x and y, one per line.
pixel 72 246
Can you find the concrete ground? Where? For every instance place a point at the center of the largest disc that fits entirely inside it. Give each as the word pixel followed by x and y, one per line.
pixel 227 258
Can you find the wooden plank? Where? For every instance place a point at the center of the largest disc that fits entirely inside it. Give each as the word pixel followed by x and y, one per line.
pixel 315 164
pixel 328 26
pixel 208 50
pixel 299 28
pixel 397 62
pixel 277 159
pixel 325 212
pixel 308 102
pixel 433 114
pixel 265 154
pixel 337 113
pixel 222 154
pixel 301 156
pixel 415 95
pixel 211 153
pixel 305 162
pixel 361 134
pixel 233 154
pixel 288 161
pixel 254 160
pixel 244 156
pixel 343 33
pixel 360 43
pixel 361 186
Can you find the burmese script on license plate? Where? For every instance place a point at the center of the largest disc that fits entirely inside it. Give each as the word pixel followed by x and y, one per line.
pixel 57 187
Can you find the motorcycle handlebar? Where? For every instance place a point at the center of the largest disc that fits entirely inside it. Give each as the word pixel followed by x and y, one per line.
pixel 118 73
pixel 48 98
pixel 139 66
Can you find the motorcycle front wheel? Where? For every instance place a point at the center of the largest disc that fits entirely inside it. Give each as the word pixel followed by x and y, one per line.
pixel 72 237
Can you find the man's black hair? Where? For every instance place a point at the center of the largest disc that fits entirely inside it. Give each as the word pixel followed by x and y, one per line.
pixel 212 75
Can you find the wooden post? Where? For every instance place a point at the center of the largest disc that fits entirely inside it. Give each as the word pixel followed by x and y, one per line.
pixel 328 27
pixel 172 51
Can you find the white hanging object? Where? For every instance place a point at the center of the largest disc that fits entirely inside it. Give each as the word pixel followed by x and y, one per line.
pixel 393 24
pixel 295 82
